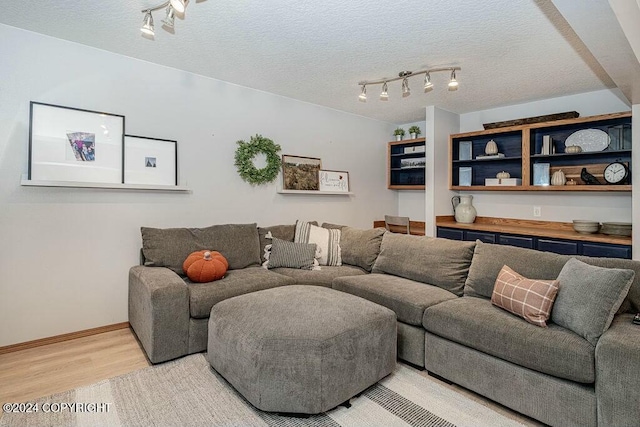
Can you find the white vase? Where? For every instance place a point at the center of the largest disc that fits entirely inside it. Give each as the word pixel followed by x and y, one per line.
pixel 398 137
pixel 463 209
pixel 413 136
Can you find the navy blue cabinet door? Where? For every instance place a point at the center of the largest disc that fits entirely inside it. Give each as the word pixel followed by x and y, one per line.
pixel 450 233
pixel 604 250
pixel 484 237
pixel 521 242
pixel 558 246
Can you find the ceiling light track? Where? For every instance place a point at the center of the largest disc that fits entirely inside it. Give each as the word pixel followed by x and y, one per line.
pixel 404 76
pixel 172 7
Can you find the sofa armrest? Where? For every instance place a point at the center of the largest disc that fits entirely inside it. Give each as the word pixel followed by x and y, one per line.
pixel 617 373
pixel 159 312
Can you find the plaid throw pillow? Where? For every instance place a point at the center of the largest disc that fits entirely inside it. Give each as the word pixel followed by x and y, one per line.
pixel 528 298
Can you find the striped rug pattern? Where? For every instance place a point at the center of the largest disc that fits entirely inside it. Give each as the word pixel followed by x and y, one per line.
pixel 187 392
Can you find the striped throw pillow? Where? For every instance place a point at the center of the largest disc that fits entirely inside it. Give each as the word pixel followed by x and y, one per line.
pixel 327 240
pixel 528 298
pixel 291 255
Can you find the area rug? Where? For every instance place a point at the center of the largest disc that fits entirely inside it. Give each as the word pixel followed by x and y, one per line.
pixel 187 392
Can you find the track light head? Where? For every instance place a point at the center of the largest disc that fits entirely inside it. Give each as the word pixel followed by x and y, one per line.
pixel 363 94
pixel 453 83
pixel 405 88
pixel 168 20
pixel 384 95
pixel 428 86
pixel 147 24
pixel 179 5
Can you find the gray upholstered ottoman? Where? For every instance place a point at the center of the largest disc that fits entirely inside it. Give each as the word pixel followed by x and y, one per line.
pixel 301 349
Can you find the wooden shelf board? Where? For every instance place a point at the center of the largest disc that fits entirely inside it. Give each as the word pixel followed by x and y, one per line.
pixel 492 159
pixel 558 230
pixel 100 185
pixel 406 187
pixel 578 188
pixel 316 192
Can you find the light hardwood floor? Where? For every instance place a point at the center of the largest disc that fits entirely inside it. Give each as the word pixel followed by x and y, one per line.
pixel 41 371
pixel 37 372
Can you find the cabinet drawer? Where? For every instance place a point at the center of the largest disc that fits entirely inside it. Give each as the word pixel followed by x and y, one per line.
pixel 521 242
pixel 477 235
pixel 604 250
pixel 558 246
pixel 450 233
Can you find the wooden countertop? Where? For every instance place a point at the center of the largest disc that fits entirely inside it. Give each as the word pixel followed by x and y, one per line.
pixel 558 230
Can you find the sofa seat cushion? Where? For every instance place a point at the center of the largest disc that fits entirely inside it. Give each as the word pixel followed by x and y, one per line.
pixel 203 296
pixel 407 298
pixel 323 277
pixel 476 323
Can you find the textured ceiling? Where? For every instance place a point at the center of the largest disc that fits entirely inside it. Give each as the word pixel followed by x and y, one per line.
pixel 510 51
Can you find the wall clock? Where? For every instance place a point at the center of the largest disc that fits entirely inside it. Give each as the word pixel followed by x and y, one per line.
pixel 616 173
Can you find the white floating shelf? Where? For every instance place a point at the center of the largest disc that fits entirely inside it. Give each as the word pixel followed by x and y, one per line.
pixel 74 184
pixel 316 192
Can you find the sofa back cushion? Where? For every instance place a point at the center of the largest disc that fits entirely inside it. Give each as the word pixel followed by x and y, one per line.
pixel 169 247
pixel 360 247
pixel 488 260
pixel 432 260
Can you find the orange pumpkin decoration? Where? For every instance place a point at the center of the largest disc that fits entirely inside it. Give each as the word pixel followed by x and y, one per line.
pixel 205 266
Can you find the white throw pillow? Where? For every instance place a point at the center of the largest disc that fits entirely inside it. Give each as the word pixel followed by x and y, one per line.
pixel 327 242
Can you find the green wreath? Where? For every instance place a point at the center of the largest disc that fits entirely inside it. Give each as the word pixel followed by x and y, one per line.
pixel 244 160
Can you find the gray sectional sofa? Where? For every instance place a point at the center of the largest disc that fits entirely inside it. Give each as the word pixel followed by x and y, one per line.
pixel 440 291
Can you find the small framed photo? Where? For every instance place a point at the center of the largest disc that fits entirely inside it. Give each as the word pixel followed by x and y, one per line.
pixel 337 181
pixel 71 144
pixel 465 176
pixel 300 173
pixel 541 173
pixel 150 161
pixel 465 150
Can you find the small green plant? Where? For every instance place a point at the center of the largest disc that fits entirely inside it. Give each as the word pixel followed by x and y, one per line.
pixel 415 129
pixel 398 132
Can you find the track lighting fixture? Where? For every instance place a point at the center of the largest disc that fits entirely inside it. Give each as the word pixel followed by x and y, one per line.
pixel 404 76
pixel 363 94
pixel 384 96
pixel 172 7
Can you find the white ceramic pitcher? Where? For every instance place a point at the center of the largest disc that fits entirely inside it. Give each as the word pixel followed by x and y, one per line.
pixel 463 210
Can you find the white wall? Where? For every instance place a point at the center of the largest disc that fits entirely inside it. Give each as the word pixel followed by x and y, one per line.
pixel 411 202
pixel 441 123
pixel 65 253
pixel 554 206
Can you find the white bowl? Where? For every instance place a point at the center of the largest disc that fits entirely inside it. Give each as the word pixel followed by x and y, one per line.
pixel 586 227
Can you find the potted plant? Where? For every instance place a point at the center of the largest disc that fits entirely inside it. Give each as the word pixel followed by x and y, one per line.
pixel 414 131
pixel 399 133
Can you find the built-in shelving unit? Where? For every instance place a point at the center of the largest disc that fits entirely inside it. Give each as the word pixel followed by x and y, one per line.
pixel 522 145
pixel 401 175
